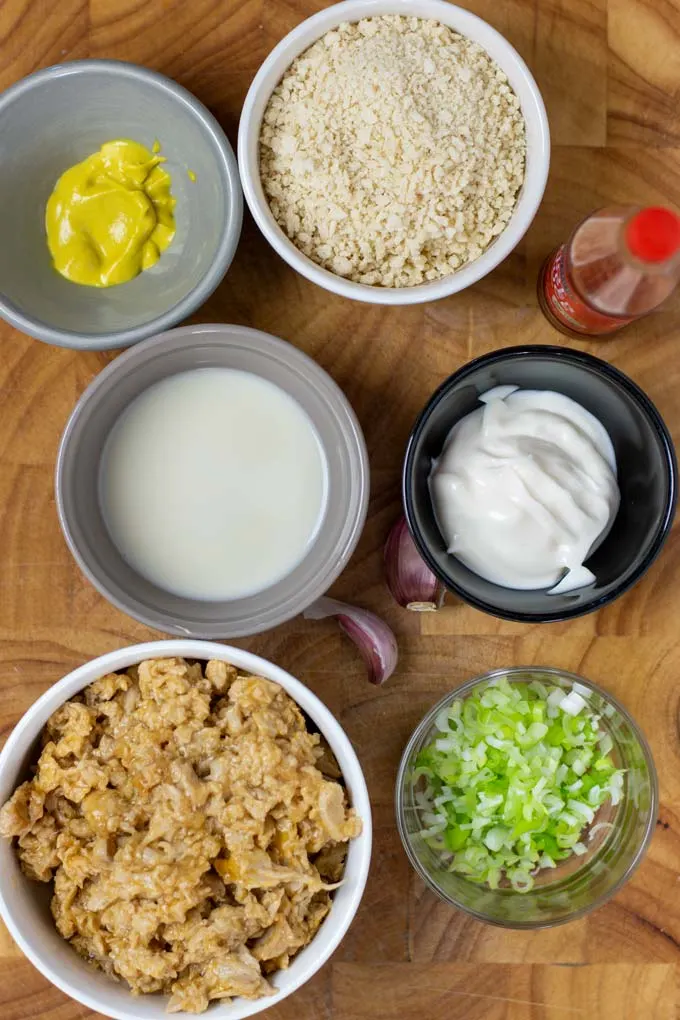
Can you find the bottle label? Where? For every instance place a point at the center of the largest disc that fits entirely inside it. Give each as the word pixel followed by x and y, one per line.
pixel 566 305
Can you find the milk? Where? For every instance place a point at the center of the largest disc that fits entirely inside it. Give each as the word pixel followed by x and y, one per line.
pixel 213 484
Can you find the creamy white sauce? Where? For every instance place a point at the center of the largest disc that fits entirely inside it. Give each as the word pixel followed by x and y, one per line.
pixel 525 489
pixel 213 484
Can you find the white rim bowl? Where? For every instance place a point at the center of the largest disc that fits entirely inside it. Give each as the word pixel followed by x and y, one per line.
pixel 521 80
pixel 24 904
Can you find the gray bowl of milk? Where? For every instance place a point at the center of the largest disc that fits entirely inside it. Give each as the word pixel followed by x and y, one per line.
pixel 212 481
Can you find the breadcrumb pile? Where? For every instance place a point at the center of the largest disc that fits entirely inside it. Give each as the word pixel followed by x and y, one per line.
pixel 392 151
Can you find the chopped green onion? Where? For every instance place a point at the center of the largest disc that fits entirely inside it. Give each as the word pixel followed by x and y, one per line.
pixel 513 779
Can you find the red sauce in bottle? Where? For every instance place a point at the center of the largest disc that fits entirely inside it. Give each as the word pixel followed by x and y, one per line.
pixel 619 264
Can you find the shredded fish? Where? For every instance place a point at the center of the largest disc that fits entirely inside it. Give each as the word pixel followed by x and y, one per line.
pixel 190 826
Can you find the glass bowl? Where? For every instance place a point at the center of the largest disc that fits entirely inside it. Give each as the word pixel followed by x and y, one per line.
pixel 578 884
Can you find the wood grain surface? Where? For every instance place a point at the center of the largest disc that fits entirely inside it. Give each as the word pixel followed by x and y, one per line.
pixel 610 74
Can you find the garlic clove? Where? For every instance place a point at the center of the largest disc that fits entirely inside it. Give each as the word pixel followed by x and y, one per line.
pixel 410 580
pixel 370 634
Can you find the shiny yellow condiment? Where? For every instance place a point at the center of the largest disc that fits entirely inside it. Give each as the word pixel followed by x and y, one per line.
pixel 110 217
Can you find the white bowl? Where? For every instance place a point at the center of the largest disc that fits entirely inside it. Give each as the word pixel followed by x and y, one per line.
pixel 519 76
pixel 24 905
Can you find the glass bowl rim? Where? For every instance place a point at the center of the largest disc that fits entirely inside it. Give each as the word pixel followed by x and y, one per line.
pixel 462 690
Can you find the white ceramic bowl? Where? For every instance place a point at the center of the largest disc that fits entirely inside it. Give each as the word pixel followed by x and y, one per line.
pixel 519 76
pixel 24 905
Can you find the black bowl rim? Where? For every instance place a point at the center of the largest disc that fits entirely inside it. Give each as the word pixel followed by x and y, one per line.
pixel 577 358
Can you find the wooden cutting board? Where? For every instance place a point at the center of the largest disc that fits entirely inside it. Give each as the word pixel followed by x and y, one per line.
pixel 610 74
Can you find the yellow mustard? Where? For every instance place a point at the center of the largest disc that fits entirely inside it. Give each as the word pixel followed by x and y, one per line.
pixel 111 216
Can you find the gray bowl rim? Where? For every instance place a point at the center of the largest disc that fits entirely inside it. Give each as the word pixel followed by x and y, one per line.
pixel 216 632
pixel 464 689
pixel 233 221
pixel 605 369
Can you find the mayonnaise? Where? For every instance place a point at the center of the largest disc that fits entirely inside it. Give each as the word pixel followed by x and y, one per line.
pixel 525 489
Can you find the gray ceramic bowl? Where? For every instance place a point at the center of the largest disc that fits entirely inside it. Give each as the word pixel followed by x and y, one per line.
pixel 125 378
pixel 61 115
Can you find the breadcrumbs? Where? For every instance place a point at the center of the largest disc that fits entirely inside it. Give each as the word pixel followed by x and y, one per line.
pixel 392 151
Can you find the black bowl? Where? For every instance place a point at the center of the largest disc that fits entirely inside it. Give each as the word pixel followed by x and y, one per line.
pixel 645 458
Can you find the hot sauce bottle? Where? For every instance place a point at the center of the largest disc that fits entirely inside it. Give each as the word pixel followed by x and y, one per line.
pixel 619 264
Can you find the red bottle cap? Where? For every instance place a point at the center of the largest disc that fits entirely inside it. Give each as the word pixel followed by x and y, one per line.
pixel 653 234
